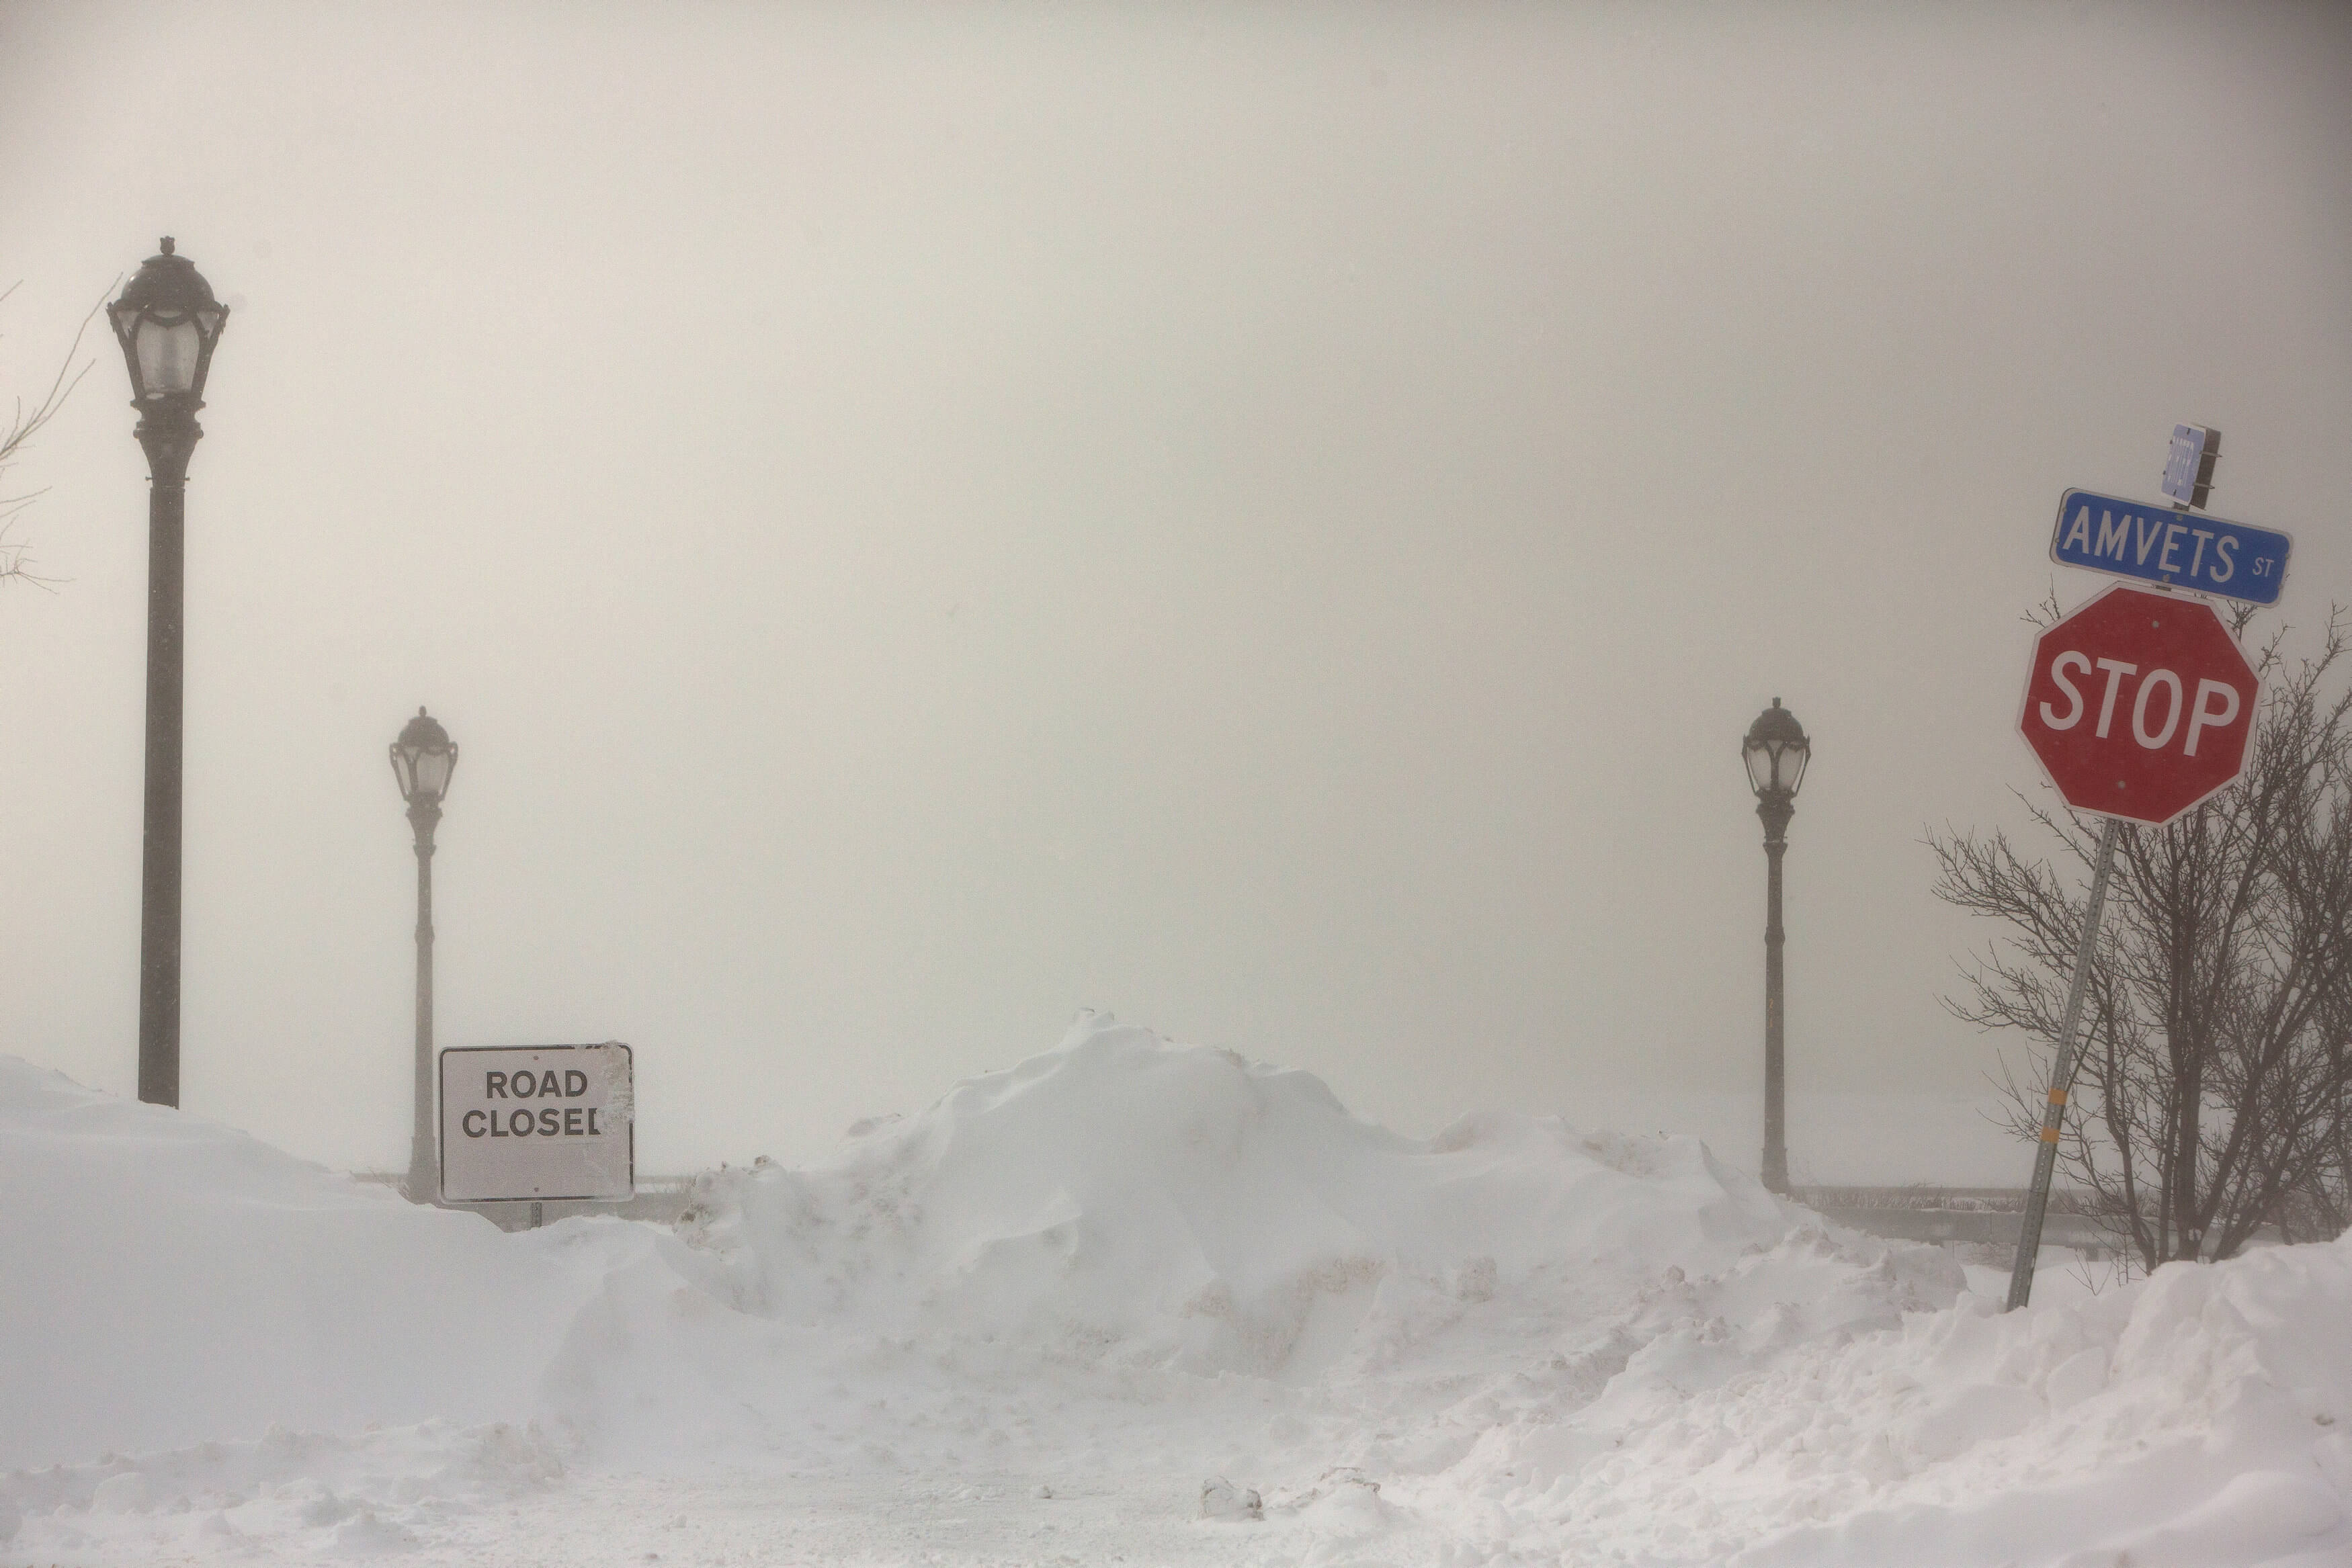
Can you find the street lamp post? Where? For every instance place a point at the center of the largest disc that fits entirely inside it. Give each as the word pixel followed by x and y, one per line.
pixel 168 323
pixel 1776 752
pixel 422 760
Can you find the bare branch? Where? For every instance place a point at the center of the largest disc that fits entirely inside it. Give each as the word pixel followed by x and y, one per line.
pixel 17 435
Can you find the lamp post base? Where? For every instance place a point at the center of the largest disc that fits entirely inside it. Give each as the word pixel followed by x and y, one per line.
pixel 424 1184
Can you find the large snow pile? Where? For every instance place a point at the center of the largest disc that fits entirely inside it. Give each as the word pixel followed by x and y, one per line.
pixel 1130 1299
pixel 1131 1200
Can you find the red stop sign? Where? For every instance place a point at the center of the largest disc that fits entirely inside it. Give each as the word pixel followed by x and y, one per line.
pixel 2139 705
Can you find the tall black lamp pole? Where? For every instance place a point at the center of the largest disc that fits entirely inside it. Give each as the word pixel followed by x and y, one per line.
pixel 1776 752
pixel 422 760
pixel 168 323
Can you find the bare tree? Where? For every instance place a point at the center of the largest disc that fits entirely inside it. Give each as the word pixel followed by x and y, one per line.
pixel 23 424
pixel 2215 1076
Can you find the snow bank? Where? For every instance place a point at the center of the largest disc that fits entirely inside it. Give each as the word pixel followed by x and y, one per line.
pixel 169 1280
pixel 2198 1417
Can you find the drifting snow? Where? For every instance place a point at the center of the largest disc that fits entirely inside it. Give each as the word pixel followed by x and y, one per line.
pixel 1134 1298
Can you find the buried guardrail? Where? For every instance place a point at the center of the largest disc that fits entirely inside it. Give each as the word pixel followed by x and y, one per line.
pixel 660 1200
pixel 1980 1215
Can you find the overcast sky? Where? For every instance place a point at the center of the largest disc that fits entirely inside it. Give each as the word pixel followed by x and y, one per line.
pixel 1270 521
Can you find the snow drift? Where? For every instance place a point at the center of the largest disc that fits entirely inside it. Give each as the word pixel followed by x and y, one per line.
pixel 2198 1418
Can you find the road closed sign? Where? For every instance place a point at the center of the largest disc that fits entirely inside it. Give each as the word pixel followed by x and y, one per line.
pixel 527 1121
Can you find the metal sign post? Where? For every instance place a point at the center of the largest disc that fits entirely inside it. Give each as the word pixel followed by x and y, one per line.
pixel 2062 1073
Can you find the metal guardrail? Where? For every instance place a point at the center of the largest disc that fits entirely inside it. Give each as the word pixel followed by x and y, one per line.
pixel 1985 1199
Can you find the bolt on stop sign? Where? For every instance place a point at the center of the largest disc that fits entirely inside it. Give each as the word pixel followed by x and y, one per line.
pixel 2139 705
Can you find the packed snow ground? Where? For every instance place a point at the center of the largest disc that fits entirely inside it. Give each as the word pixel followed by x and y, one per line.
pixel 1130 1301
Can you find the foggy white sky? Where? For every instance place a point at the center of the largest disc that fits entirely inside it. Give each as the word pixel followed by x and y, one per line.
pixel 1269 522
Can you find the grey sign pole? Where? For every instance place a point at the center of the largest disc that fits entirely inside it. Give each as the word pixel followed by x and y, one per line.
pixel 2062 1073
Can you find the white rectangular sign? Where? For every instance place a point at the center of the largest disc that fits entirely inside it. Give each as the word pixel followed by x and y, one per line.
pixel 523 1122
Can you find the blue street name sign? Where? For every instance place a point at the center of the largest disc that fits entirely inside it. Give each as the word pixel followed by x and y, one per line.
pixel 2176 548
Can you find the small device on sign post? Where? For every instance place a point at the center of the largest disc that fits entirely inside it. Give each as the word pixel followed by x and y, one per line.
pixel 536 1123
pixel 2188 470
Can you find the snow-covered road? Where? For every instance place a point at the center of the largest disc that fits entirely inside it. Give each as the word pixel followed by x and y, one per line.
pixel 1032 1322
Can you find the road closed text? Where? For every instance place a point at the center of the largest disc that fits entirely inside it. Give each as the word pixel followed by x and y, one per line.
pixel 524 1121
pixel 572 1122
